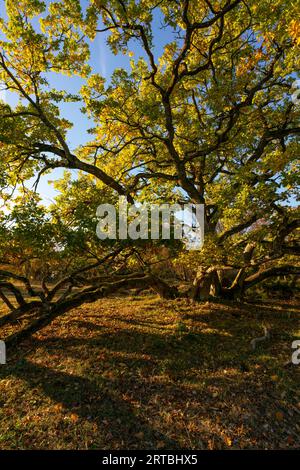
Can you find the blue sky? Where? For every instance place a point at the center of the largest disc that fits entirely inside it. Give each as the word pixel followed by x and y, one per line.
pixel 103 62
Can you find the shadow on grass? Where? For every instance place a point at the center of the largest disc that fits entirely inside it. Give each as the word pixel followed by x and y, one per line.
pixel 187 350
pixel 93 400
pixel 161 371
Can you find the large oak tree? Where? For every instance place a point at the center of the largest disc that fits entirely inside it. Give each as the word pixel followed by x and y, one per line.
pixel 212 120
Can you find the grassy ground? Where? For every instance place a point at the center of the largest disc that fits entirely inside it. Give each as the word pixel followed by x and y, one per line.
pixel 140 373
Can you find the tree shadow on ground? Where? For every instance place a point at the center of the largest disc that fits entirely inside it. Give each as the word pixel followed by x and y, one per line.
pixel 168 387
pixel 93 400
pixel 181 351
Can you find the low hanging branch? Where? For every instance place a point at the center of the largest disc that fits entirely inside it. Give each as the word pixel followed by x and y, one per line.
pixel 72 278
pixel 6 300
pixel 15 292
pixel 261 275
pixel 46 312
pixel 24 280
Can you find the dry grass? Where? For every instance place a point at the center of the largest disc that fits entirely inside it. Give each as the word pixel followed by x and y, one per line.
pixel 140 373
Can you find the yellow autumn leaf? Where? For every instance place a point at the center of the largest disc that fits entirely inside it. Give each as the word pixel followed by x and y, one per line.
pixel 74 418
pixel 228 441
pixel 58 407
pixel 294 30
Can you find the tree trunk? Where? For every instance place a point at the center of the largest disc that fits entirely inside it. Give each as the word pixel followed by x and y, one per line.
pixel 206 285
